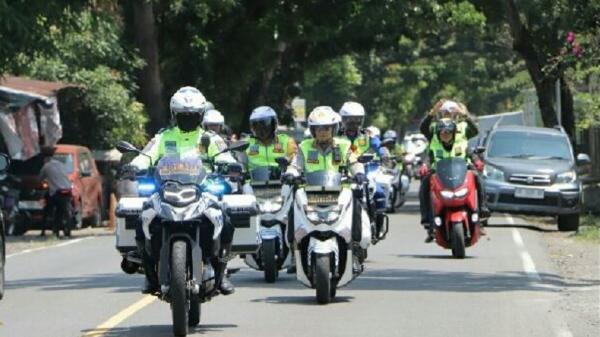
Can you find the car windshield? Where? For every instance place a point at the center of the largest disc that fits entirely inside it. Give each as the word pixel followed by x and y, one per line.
pixel 66 159
pixel 528 145
pixel 182 169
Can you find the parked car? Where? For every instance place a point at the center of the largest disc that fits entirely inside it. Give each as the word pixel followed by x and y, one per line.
pixel 530 170
pixel 4 162
pixel 87 187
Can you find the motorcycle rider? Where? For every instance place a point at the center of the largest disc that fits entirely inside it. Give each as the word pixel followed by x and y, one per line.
pixel 266 145
pixel 187 107
pixel 390 138
pixel 445 143
pixel 213 121
pixel 353 116
pixel 324 151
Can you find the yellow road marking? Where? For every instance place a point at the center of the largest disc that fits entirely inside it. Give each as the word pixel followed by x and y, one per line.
pixel 112 322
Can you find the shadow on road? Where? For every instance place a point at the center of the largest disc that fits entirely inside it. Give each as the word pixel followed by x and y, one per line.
pixel 302 300
pixel 122 282
pixel 154 330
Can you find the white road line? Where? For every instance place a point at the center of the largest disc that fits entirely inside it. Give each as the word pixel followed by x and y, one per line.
pixel 510 219
pixel 563 332
pixel 528 265
pixel 66 243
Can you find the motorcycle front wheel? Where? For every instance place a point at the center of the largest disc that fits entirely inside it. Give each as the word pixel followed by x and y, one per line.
pixel 323 278
pixel 178 289
pixel 269 261
pixel 457 240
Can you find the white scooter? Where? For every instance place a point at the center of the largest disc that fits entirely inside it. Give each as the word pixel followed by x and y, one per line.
pixel 274 201
pixel 330 248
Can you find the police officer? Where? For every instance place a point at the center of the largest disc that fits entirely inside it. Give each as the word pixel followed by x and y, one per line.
pixel 187 107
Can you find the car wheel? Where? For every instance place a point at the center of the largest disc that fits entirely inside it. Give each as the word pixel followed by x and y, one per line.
pixel 568 222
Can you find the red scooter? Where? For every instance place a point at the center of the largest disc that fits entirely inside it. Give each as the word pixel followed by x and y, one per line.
pixel 454 206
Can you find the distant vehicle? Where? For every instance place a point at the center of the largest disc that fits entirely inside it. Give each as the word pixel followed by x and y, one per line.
pixel 4 162
pixel 530 170
pixel 415 146
pixel 87 188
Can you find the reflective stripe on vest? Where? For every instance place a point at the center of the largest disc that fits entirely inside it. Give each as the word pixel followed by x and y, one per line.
pixel 260 155
pixel 314 160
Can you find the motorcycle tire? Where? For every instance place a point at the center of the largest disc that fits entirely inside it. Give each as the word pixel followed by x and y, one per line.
pixel 194 313
pixel 2 262
pixel 178 290
pixel 323 278
pixel 269 260
pixel 457 240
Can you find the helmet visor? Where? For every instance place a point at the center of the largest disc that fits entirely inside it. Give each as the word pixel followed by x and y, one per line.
pixel 263 128
pixel 352 122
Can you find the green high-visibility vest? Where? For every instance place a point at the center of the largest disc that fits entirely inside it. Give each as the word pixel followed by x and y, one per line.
pixel 315 160
pixel 175 141
pixel 438 152
pixel 260 155
pixel 360 144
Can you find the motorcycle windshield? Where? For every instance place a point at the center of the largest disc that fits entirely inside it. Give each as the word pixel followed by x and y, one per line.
pixel 325 180
pixel 265 174
pixel 182 169
pixel 452 172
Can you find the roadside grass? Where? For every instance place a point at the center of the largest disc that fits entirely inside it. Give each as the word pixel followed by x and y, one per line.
pixel 589 229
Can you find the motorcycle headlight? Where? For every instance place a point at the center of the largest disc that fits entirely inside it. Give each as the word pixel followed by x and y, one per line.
pixel 447 194
pixel 179 195
pixel 217 188
pixel 492 173
pixel 461 193
pixel 566 177
pixel 146 187
pixel 271 205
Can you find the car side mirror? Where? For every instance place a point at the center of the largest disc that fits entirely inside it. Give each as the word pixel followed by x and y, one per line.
pixel 583 159
pixel 125 147
pixel 4 162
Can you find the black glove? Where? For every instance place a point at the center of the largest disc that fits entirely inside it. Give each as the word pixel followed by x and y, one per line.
pixel 288 179
pixel 360 178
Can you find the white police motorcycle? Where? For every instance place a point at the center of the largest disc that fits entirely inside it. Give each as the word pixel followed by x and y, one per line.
pixel 274 201
pixel 329 246
pixel 188 232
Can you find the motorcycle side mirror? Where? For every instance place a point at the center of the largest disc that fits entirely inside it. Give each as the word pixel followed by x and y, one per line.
pixel 4 162
pixel 479 149
pixel 241 145
pixel 125 147
pixel 365 158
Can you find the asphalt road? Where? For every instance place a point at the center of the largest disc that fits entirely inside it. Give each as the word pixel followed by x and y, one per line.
pixel 506 287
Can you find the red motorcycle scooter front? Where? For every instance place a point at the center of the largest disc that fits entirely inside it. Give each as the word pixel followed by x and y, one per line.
pixel 454 205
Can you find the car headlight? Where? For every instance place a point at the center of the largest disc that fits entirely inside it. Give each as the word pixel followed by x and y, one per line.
pixel 492 173
pixel 566 177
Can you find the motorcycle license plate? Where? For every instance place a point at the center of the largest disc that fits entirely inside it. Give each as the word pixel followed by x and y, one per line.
pixel 31 204
pixel 529 193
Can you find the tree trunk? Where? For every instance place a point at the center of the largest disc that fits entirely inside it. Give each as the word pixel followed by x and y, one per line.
pixel 567 109
pixel 144 31
pixel 544 83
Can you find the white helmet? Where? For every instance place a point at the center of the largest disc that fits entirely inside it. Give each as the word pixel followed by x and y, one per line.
pixel 213 117
pixel 373 131
pixel 263 122
pixel 391 135
pixel 323 116
pixel 352 109
pixel 449 109
pixel 187 106
pixel 187 99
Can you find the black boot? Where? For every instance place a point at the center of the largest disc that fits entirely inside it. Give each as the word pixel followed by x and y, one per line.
pixel 150 287
pixel 227 287
pixel 430 234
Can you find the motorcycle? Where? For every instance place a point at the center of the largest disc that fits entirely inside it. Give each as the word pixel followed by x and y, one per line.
pixel 189 217
pixel 400 182
pixel 274 201
pixel 454 206
pixel 9 202
pixel 329 246
pixel 67 219
pixel 377 177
